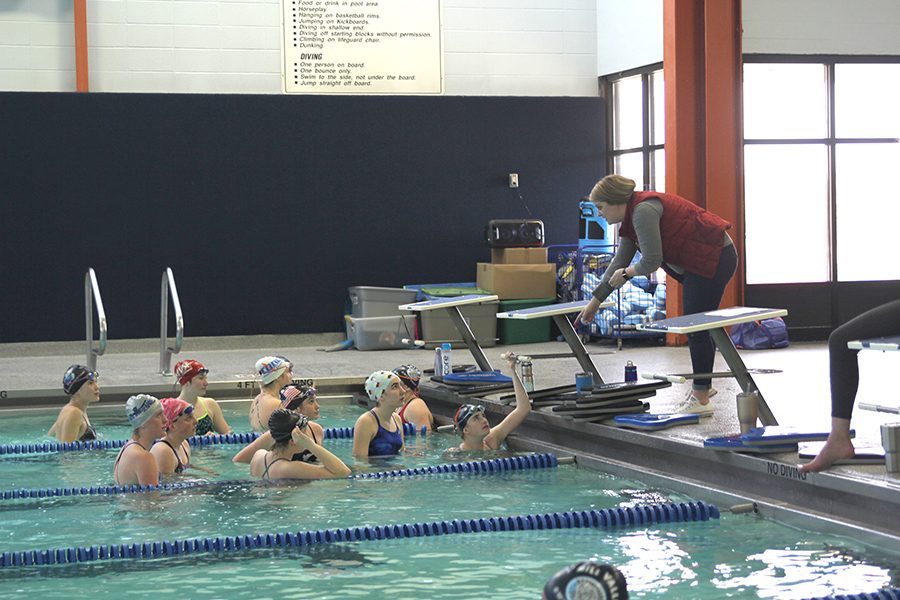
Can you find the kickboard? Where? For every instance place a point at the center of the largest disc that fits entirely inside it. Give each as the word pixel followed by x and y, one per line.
pixel 610 408
pixel 655 422
pixel 611 412
pixel 866 453
pixel 784 434
pixel 734 443
pixel 475 377
pixel 602 392
pixel 547 393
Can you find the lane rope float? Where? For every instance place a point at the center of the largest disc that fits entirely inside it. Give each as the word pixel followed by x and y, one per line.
pixel 331 433
pixel 602 519
pixel 480 467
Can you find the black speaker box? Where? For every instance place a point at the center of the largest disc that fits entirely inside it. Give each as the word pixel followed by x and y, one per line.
pixel 511 233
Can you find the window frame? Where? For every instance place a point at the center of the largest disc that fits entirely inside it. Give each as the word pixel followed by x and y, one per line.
pixel 648 102
pixel 831 140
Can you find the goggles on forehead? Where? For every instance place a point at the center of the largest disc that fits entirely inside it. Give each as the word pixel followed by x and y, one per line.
pixel 462 416
pixel 185 411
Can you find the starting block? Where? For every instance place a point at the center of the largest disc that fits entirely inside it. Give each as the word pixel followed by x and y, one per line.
pixel 558 312
pixel 451 305
pixel 715 322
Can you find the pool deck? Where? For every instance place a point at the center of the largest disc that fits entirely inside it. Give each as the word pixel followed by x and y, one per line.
pixel 855 498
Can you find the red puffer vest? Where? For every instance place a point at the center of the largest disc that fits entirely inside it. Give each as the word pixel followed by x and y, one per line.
pixel 691 236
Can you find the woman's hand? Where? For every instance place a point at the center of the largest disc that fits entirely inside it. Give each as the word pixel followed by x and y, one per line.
pixel 587 314
pixel 618 279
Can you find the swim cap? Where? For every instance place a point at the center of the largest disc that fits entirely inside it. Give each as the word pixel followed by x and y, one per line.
pixel 174 408
pixel 463 414
pixel 282 423
pixel 75 377
pixel 377 384
pixel 292 395
pixel 409 375
pixel 186 370
pixel 141 408
pixel 271 368
pixel 588 580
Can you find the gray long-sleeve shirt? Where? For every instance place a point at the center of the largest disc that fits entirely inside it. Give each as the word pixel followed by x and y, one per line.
pixel 645 218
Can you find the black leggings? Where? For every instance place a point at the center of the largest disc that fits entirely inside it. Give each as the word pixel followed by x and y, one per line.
pixel 703 294
pixel 880 321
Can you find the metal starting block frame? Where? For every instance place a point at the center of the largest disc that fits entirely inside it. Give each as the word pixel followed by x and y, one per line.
pixel 558 312
pixel 715 322
pixel 451 305
pixel 885 344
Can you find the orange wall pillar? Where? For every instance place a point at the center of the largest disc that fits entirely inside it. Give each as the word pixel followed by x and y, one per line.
pixel 81 45
pixel 704 145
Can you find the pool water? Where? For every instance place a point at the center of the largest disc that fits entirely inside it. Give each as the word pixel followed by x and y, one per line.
pixel 737 556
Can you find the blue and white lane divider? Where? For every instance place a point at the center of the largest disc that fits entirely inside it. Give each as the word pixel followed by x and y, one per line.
pixel 885 594
pixel 331 433
pixel 606 518
pixel 481 467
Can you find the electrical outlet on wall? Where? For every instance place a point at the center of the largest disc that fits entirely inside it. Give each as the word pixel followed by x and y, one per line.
pixel 513 180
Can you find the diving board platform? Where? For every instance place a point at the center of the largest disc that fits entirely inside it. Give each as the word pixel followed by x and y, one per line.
pixel 715 322
pixel 558 313
pixel 451 305
pixel 887 344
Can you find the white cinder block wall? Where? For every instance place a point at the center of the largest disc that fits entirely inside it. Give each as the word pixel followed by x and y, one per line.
pixel 492 47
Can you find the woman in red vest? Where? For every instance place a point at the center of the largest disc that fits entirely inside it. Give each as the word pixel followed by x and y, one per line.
pixel 688 242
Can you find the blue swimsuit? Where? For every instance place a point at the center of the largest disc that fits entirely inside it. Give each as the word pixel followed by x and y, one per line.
pixel 385 442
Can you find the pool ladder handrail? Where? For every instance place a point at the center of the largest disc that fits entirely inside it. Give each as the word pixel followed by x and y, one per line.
pixel 91 295
pixel 165 351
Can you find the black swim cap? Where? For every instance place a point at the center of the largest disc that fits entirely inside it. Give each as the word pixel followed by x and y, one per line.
pixel 409 375
pixel 75 377
pixel 588 580
pixel 282 423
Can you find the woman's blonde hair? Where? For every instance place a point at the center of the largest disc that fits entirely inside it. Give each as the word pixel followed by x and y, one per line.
pixel 613 189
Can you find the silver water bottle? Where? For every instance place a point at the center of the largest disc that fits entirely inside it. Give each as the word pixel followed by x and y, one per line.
pixel 527 376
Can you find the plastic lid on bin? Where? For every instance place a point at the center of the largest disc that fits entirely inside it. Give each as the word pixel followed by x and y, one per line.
pixel 446 292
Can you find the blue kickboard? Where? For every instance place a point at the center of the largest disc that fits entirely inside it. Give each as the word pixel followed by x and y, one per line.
pixel 473 377
pixel 784 434
pixel 734 443
pixel 655 422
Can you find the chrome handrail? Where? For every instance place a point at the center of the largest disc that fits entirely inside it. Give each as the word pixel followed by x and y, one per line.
pixel 92 294
pixel 165 351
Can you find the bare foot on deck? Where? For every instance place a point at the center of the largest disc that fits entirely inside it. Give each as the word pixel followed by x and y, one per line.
pixel 834 449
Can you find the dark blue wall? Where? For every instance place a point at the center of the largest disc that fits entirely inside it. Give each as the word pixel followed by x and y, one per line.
pixel 267 207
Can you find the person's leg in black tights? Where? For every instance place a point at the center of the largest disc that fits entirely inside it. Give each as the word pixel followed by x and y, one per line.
pixel 880 321
pixel 703 294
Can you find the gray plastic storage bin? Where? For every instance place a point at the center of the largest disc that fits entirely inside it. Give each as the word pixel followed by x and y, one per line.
pixel 381 333
pixel 368 301
pixel 437 326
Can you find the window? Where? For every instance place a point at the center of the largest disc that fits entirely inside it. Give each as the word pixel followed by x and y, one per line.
pixel 820 147
pixel 637 113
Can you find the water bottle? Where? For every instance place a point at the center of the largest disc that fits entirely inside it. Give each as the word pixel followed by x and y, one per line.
pixel 748 409
pixel 527 376
pixel 630 372
pixel 438 363
pixel 446 359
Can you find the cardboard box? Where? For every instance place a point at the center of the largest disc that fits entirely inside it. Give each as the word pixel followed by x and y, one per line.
pixel 518 256
pixel 518 281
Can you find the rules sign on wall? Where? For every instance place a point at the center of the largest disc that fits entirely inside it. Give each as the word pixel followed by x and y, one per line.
pixel 362 46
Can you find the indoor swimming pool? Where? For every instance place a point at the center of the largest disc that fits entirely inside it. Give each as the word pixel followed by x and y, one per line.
pixel 735 556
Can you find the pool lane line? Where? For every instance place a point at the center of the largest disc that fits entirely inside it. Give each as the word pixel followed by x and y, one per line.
pixel 609 518
pixel 478 467
pixel 331 433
